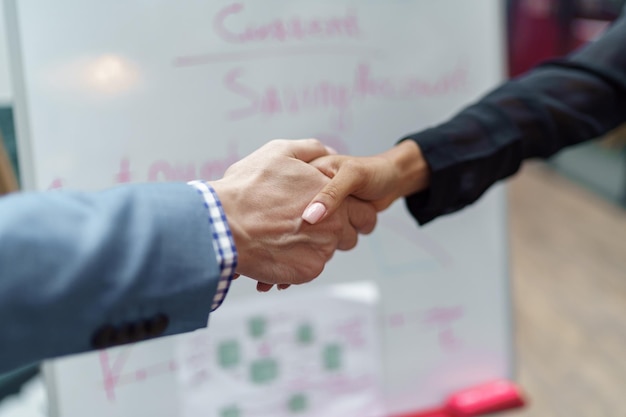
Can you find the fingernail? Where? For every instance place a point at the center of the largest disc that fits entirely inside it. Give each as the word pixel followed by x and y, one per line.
pixel 330 150
pixel 314 212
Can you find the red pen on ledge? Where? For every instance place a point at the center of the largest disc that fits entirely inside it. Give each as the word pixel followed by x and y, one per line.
pixel 494 396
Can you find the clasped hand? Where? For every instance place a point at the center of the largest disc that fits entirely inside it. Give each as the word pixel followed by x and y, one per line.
pixel 264 196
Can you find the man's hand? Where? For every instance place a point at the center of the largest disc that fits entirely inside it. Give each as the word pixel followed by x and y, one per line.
pixel 264 195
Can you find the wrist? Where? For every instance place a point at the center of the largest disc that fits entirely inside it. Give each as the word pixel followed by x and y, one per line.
pixel 229 196
pixel 411 168
pixel 223 244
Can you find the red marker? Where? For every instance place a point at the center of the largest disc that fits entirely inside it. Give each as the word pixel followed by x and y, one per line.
pixel 494 396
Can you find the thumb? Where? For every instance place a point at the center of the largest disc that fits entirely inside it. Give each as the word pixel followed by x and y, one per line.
pixel 328 200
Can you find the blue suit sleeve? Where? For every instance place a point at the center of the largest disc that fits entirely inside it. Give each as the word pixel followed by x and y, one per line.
pixel 81 271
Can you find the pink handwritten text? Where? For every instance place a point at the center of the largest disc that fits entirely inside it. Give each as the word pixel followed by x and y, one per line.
pixel 441 319
pixel 163 170
pixel 337 96
pixel 281 30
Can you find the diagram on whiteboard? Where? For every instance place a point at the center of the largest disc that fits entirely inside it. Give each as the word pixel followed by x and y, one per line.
pixel 314 354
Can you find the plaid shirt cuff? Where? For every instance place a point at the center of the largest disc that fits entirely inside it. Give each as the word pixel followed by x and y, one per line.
pixel 223 242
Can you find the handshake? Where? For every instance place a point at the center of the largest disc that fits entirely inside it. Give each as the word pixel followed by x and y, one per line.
pixel 292 203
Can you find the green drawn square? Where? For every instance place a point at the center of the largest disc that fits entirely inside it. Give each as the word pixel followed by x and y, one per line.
pixel 229 354
pixel 305 334
pixel 332 357
pixel 298 403
pixel 257 327
pixel 232 411
pixel 263 371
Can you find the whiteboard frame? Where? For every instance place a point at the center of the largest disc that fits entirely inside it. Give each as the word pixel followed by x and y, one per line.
pixel 28 169
pixel 20 104
pixel 6 93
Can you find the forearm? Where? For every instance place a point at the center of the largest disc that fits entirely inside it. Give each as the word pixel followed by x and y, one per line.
pixel 557 105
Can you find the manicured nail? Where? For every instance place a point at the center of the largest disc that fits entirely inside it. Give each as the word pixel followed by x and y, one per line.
pixel 314 212
pixel 330 150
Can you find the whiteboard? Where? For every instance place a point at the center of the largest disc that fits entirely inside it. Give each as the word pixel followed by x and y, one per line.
pixel 5 83
pixel 118 91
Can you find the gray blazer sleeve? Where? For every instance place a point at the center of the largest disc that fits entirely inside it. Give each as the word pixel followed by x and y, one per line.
pixel 82 271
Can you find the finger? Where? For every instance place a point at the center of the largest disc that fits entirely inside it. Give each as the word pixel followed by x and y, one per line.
pixel 348 238
pixel 283 286
pixel 328 200
pixel 362 215
pixel 308 149
pixel 328 165
pixel 263 287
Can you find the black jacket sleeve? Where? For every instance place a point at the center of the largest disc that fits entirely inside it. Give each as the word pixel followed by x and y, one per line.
pixel 558 104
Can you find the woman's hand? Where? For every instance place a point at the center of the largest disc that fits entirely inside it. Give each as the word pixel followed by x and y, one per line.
pixel 379 179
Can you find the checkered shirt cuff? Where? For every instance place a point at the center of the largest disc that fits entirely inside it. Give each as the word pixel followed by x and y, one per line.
pixel 223 242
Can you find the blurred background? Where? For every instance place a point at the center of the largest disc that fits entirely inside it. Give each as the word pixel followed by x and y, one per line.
pixel 568 239
pixel 568 251
pixel 542 29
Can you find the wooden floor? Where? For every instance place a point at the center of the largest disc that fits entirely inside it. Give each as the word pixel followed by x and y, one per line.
pixel 569 272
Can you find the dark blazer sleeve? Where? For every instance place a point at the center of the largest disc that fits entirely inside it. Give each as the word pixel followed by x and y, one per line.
pixel 84 271
pixel 559 103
